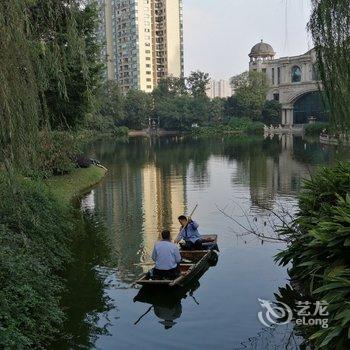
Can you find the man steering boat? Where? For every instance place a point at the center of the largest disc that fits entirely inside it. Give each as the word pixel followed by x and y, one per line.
pixel 189 236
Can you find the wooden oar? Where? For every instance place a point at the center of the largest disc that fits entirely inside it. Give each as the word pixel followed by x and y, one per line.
pixel 189 217
pixel 143 315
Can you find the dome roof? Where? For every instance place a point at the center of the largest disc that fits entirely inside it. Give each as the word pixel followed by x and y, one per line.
pixel 262 50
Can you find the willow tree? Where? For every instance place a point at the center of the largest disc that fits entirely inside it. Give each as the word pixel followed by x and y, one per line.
pixel 330 29
pixel 40 42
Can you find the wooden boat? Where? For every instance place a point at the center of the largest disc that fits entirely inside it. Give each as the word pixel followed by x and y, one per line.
pixel 189 271
pixel 196 255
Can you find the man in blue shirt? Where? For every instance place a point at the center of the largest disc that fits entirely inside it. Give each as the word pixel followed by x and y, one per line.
pixel 167 257
pixel 189 233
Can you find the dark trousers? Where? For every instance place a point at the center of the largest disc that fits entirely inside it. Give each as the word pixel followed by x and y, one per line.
pixel 166 274
pixel 189 245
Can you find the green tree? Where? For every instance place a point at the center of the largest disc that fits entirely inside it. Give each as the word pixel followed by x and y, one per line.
pixel 111 101
pixel 330 29
pixel 250 94
pixel 198 84
pixel 271 113
pixel 138 108
pixel 216 110
pixel 83 77
pixel 170 87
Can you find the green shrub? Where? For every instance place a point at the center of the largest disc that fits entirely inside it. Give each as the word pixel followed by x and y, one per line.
pixel 315 128
pixel 319 249
pixel 239 123
pixel 255 128
pixel 121 131
pixel 57 151
pixel 99 123
pixel 34 231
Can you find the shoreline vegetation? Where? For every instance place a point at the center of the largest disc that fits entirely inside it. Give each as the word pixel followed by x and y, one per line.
pixel 69 187
pixel 35 251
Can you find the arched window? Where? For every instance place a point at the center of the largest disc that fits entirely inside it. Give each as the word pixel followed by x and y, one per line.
pixel 296 74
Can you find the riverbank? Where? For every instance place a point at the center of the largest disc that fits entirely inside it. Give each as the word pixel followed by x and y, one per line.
pixel 66 188
pixel 37 228
pixel 238 126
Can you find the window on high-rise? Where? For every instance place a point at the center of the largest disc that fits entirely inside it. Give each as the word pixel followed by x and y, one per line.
pixel 273 76
pixel 279 75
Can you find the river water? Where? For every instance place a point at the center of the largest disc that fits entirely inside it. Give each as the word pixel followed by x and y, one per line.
pixel 238 183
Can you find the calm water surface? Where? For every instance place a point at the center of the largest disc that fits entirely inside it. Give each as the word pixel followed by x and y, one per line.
pixel 152 181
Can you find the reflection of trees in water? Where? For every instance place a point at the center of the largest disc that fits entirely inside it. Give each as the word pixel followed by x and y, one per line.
pixel 311 152
pixel 289 336
pixel 275 338
pixel 146 184
pixel 84 298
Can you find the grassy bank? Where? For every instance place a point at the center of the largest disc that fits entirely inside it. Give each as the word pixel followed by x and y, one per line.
pixel 67 187
pixel 37 227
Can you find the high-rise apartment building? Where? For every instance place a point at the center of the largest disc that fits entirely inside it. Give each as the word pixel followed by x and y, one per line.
pixel 142 41
pixel 219 88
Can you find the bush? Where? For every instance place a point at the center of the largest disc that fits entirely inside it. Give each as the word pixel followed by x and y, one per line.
pixel 102 124
pixel 319 249
pixel 271 113
pixel 34 231
pixel 315 128
pixel 57 152
pixel 121 131
pixel 255 128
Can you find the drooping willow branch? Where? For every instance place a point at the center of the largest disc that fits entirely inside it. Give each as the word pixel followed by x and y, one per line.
pixel 330 29
pixel 38 40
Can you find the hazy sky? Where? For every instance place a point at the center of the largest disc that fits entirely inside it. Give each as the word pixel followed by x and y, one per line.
pixel 218 34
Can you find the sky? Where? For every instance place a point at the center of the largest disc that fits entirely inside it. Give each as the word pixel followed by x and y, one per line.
pixel 219 34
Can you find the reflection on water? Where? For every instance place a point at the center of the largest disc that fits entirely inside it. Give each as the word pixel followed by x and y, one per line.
pixel 149 183
pixel 84 299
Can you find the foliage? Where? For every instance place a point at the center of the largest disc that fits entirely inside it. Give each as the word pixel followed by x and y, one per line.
pixel 83 73
pixel 101 124
pixel 250 95
pixel 110 100
pixel 198 84
pixel 67 187
pixel 330 29
pixel 121 131
pixel 235 126
pixel 216 110
pixel 34 231
pixel 271 113
pixel 170 87
pixel 319 248
pixel 48 71
pixel 138 107
pixel 315 128
pixel 57 153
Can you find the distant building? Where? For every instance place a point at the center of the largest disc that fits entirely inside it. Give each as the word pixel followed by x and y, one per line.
pixel 142 41
pixel 219 88
pixel 293 82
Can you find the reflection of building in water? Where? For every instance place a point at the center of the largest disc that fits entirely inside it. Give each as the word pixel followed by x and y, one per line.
pixel 271 173
pixel 163 201
pixel 138 204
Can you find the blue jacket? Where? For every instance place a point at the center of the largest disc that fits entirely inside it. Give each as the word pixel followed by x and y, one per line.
pixel 190 233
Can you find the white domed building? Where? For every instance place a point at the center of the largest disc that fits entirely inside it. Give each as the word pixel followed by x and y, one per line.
pixel 293 82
